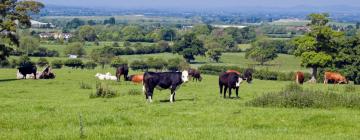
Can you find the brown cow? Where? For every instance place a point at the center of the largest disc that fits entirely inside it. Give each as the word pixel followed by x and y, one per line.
pixel 299 77
pixel 336 77
pixel 122 70
pixel 195 74
pixel 137 79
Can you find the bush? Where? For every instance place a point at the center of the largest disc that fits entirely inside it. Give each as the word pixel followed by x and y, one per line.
pixel 75 49
pixel 139 65
pixel 74 63
pixel 90 65
pixel 42 62
pixel 84 85
pixel 103 91
pixel 157 63
pixel 117 62
pixel 293 96
pixel 57 64
pixel 177 64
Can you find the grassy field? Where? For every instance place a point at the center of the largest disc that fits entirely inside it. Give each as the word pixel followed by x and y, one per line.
pixel 49 109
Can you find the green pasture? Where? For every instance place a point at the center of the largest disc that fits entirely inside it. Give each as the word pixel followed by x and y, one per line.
pixel 51 109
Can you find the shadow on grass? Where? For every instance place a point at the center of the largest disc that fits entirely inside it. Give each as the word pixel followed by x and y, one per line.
pixel 7 80
pixel 177 100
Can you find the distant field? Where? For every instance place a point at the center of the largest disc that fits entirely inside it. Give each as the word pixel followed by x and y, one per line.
pixel 50 109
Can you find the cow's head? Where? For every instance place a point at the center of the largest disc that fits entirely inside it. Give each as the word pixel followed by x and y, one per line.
pixel 185 76
pixel 239 81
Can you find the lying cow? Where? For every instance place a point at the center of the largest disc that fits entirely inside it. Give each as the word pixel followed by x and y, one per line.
pixel 337 78
pixel 229 80
pixel 299 77
pixel 138 78
pixel 163 80
pixel 195 74
pixel 27 69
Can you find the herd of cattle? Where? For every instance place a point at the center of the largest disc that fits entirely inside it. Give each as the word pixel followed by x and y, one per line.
pixel 228 80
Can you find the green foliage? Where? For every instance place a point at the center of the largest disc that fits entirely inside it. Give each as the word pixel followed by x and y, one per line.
pixel 75 49
pixel 139 65
pixel 25 61
pixel 102 56
pixel 90 65
pixel 189 47
pixel 4 52
pixel 42 62
pixel 295 97
pixel 57 64
pixel 177 64
pixel 156 63
pixel 74 23
pixel 134 92
pixel 84 85
pixel 132 33
pixel 117 62
pixel 110 21
pixel 29 44
pixel 87 33
pixel 115 44
pixel 74 63
pixel 103 91
pixel 202 29
pixel 312 58
pixel 214 54
pixel 261 52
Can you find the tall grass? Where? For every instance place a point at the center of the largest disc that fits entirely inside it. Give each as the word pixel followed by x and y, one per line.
pixel 294 96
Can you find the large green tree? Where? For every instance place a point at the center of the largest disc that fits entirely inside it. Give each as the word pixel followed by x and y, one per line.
pixel 189 47
pixel 14 15
pixel 87 33
pixel 261 52
pixel 102 56
pixel 318 46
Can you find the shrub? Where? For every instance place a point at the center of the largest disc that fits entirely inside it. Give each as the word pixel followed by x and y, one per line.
pixel 24 61
pixel 74 63
pixel 115 44
pixel 117 62
pixel 293 96
pixel 177 64
pixel 103 91
pixel 157 63
pixel 57 64
pixel 42 62
pixel 75 48
pixel 90 65
pixel 139 65
pixel 5 64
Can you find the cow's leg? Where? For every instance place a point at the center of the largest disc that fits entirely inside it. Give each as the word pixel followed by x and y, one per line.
pixel 237 92
pixel 229 92
pixel 172 96
pixel 144 90
pixel 35 75
pixel 226 87
pixel 221 88
pixel 149 93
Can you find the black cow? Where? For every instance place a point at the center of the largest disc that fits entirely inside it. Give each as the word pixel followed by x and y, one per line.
pixel 248 75
pixel 122 70
pixel 229 80
pixel 163 80
pixel 27 69
pixel 195 74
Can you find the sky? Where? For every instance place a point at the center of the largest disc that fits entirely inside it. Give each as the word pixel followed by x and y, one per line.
pixel 200 4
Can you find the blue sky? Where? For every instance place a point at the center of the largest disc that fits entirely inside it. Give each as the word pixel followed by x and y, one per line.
pixel 201 4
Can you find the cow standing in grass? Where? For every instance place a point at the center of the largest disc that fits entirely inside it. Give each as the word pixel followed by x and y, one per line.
pixel 122 70
pixel 229 80
pixel 27 69
pixel 299 77
pixel 195 74
pixel 163 80
pixel 337 78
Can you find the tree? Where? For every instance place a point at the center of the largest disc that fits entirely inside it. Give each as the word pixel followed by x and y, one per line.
pixel 156 63
pixel 74 63
pixel 110 21
pixel 87 33
pixel 357 25
pixel 132 33
pixel 102 56
pixel 74 23
pixel 167 34
pixel 189 47
pixel 214 54
pixel 91 22
pixel 317 47
pixel 117 62
pixel 202 29
pixel 42 62
pixel 261 52
pixel 75 49
pixel 29 44
pixel 15 15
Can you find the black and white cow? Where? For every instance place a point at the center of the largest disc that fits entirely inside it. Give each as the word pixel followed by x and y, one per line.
pixel 229 80
pixel 163 80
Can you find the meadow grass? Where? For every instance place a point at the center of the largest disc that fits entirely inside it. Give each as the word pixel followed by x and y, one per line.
pixel 51 109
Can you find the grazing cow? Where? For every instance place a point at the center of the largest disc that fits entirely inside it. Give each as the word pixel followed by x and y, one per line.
pixel 163 80
pixel 230 80
pixel 336 77
pixel 248 75
pixel 299 77
pixel 138 78
pixel 28 69
pixel 122 70
pixel 195 74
